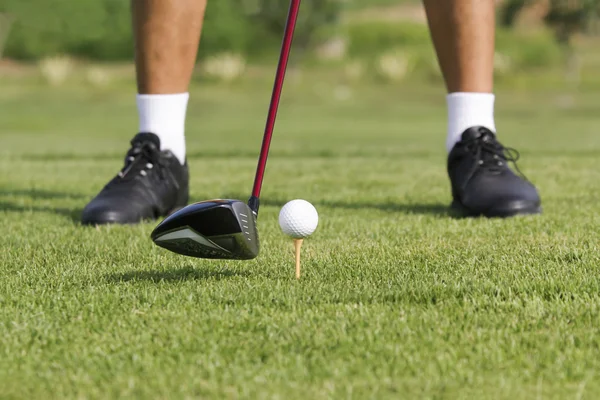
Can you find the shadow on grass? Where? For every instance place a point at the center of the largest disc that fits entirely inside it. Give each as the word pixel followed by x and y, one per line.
pixel 436 209
pixel 40 194
pixel 174 275
pixel 74 214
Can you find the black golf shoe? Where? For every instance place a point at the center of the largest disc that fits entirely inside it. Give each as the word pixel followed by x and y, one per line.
pixel 152 184
pixel 482 182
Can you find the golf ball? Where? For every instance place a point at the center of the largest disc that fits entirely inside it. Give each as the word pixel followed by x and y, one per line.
pixel 298 219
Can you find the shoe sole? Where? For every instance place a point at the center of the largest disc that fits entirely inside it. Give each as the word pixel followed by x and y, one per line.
pixel 516 209
pixel 115 220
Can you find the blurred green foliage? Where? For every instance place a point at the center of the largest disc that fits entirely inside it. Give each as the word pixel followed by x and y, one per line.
pixel 101 29
pixel 314 16
pixel 565 17
pixel 367 38
pixel 528 51
pixel 525 51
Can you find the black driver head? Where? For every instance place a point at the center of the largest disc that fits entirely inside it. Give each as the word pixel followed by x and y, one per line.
pixel 215 229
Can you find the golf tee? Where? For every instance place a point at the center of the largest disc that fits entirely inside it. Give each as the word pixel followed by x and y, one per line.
pixel 298 246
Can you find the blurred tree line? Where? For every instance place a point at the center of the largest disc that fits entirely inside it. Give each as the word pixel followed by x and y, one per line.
pixel 566 19
pixel 101 29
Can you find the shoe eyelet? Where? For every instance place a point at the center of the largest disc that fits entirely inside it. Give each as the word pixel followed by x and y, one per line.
pixel 500 163
pixel 480 162
pixel 130 158
pixel 149 166
pixel 143 173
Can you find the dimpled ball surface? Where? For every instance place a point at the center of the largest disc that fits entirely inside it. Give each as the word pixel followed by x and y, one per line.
pixel 298 219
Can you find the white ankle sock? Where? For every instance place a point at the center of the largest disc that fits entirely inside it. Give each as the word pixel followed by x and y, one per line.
pixel 466 110
pixel 164 115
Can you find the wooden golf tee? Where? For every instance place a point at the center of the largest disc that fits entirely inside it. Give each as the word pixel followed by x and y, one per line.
pixel 298 245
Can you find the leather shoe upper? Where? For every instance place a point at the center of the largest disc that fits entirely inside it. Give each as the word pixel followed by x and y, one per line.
pixel 482 182
pixel 151 184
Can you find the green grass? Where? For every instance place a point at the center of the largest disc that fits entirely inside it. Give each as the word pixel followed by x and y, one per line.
pixel 397 300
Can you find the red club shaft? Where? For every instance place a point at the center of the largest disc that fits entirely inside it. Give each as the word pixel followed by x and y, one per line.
pixel 286 46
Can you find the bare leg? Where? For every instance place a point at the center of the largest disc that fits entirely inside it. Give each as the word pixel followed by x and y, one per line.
pixel 167 34
pixel 154 179
pixel 463 35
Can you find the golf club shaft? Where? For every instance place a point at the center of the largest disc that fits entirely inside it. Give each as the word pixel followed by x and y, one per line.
pixel 286 46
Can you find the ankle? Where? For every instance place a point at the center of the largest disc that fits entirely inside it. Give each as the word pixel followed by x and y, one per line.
pixel 466 110
pixel 164 115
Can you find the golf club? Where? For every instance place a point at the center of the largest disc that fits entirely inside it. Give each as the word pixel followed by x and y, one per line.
pixel 226 229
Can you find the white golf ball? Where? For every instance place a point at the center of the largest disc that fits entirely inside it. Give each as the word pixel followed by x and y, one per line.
pixel 298 219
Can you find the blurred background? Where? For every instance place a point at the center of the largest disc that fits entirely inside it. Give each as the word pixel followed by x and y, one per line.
pixel 363 79
pixel 89 42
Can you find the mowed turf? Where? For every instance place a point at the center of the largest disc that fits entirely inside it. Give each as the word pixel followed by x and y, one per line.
pixel 397 299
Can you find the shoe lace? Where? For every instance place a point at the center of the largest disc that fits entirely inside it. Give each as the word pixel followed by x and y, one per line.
pixel 140 159
pixel 490 154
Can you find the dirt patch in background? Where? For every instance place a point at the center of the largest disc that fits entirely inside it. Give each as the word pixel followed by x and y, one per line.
pixel 11 68
pixel 403 12
pixel 531 15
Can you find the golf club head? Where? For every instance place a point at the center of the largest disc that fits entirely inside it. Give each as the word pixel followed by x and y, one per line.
pixel 214 229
